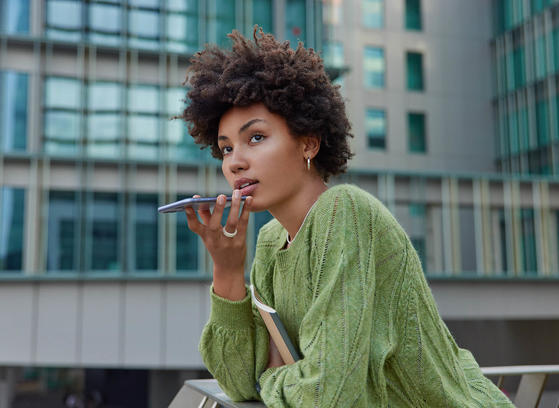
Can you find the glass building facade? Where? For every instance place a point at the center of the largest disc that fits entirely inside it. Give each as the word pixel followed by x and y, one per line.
pixel 526 95
pixel 88 146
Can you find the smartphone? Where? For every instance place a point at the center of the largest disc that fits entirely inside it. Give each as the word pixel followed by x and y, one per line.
pixel 196 203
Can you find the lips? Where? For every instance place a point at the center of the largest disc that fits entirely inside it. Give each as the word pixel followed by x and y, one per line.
pixel 244 182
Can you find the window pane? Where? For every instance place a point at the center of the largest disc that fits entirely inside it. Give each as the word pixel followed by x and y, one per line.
pixel 374 67
pixel 295 21
pixel 105 24
pixel 416 129
pixel 182 32
pixel 334 54
pixel 143 134
pixel 62 93
pixel 12 206
pixel 375 125
pixel 262 14
pixel 62 231
pixel 13 111
pixel 414 62
pixel 413 14
pixel 181 146
pixel 143 99
pixel 145 233
pixel 373 13
pixel 104 96
pixel 144 3
pixel 541 60
pixel 64 19
pixel 221 21
pixel 529 255
pixel 103 135
pixel 183 5
pixel 14 16
pixel 61 132
pixel 175 100
pixel 187 244
pixel 103 232
pixel 467 240
pixel 144 28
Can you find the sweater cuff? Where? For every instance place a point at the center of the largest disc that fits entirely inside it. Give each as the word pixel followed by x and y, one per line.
pixel 229 313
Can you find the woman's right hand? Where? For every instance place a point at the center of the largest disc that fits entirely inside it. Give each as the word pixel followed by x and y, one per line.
pixel 228 254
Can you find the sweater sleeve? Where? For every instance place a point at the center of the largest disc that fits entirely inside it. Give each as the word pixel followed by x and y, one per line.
pixel 335 333
pixel 234 346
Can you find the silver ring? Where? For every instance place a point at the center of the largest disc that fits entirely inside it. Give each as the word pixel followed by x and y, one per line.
pixel 229 234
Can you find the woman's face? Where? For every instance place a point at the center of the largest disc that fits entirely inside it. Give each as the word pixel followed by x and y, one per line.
pixel 260 156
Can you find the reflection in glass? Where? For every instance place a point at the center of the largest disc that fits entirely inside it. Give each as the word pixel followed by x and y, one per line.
pixel 187 244
pixel 63 19
pixel 375 125
pixel 373 13
pixel 62 231
pixel 262 14
pixel 12 205
pixel 143 99
pixel 374 67
pixel 143 28
pixel 105 24
pixel 62 93
pixel 103 130
pixel 104 96
pixel 14 16
pixel 145 232
pixel 103 232
pixel 295 21
pixel 61 132
pixel 13 111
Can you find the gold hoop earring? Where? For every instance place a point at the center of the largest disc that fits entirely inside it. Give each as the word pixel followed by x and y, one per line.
pixel 309 163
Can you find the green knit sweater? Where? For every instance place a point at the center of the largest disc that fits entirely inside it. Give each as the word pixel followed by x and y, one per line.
pixel 351 292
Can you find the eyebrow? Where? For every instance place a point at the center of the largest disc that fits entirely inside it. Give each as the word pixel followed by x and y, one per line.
pixel 243 128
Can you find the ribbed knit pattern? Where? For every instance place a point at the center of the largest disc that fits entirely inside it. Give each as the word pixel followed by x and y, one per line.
pixel 352 295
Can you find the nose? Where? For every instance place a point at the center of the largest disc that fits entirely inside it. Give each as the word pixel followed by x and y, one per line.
pixel 237 161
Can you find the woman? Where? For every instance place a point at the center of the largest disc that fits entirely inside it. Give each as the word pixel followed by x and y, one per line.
pixel 333 262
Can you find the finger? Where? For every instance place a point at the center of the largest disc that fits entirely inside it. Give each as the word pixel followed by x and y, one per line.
pixel 192 220
pixel 233 219
pixel 203 211
pixel 245 213
pixel 215 220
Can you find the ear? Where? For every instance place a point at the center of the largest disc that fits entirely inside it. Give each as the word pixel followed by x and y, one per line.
pixel 310 145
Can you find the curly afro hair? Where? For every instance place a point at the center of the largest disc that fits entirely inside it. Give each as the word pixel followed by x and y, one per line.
pixel 291 83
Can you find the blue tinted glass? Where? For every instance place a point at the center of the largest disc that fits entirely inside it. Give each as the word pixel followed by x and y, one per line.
pixel 295 21
pixel 103 135
pixel 182 32
pixel 144 3
pixel 14 16
pixel 145 234
pixel 13 111
pixel 12 205
pixel 64 19
pixel 104 24
pixel 104 96
pixel 373 13
pixel 61 132
pixel 62 239
pixel 143 28
pixel 262 14
pixel 103 231
pixel 182 5
pixel 143 137
pixel 374 67
pixel 187 244
pixel 143 99
pixel 334 54
pixel 375 125
pixel 62 93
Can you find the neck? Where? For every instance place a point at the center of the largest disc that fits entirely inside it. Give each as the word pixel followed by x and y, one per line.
pixel 292 213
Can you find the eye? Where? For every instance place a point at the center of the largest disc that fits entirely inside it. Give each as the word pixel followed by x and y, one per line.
pixel 257 138
pixel 225 150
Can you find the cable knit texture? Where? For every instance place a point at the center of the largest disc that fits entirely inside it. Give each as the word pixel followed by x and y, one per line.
pixel 352 295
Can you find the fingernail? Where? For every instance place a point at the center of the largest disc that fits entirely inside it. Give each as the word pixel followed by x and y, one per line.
pixel 236 193
pixel 221 200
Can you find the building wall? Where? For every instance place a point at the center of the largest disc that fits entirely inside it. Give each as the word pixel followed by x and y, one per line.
pixel 454 41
